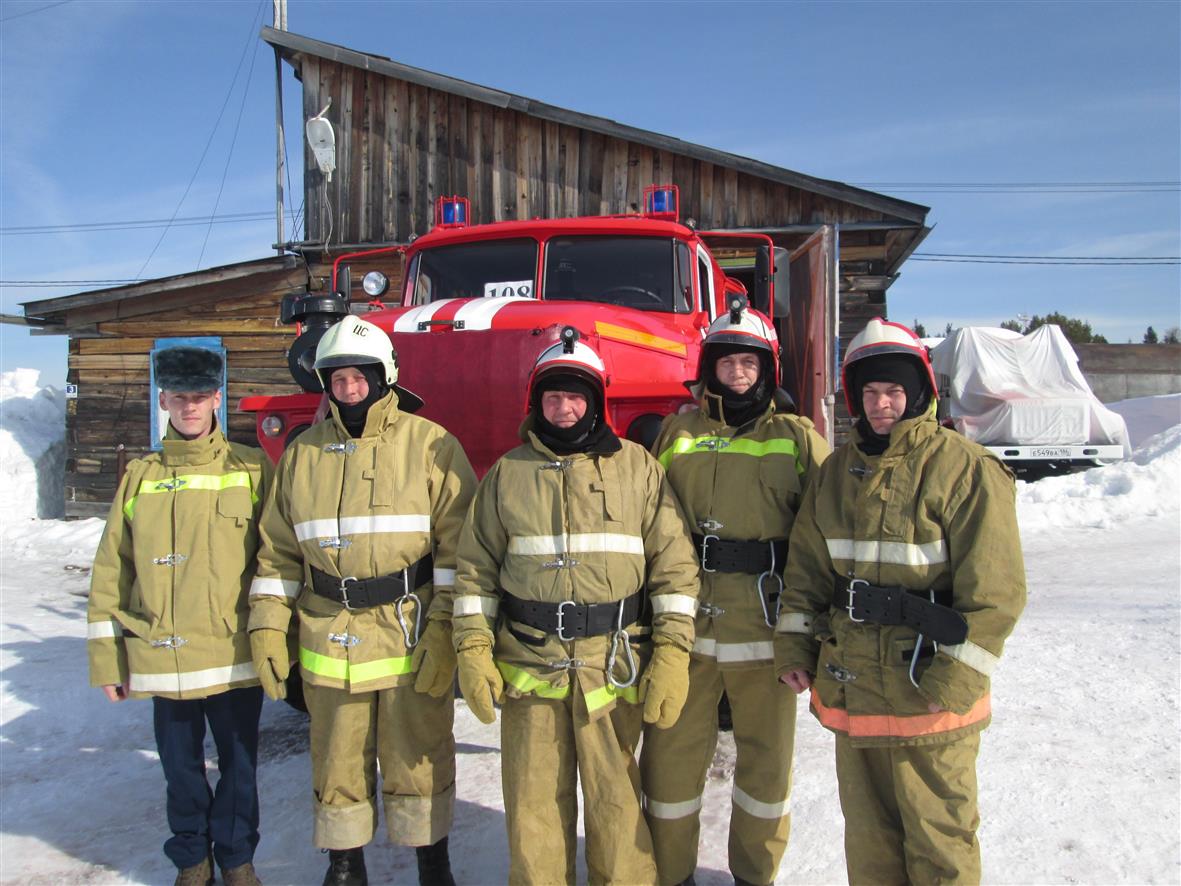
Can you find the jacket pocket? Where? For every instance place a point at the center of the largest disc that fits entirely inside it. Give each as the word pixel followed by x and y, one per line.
pixel 235 504
pixel 902 695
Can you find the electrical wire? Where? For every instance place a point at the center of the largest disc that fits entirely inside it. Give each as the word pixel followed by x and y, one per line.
pixel 9 18
pixel 136 224
pixel 204 151
pixel 234 140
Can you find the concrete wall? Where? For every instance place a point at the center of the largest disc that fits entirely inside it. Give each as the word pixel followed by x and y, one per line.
pixel 1121 372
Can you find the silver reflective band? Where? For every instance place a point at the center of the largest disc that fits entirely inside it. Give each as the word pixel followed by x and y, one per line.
pixel 577 543
pixel 896 553
pixel 727 653
pixel 757 808
pixel 671 810
pixel 100 630
pixel 188 680
pixel 274 587
pixel 335 528
pixel 445 577
pixel 976 657
pixel 794 623
pixel 679 604
pixel 473 604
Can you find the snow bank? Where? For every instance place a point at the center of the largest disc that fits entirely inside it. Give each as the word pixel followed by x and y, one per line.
pixel 32 447
pixel 1148 415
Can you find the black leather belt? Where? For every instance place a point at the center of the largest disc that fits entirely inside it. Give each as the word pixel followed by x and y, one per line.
pixel 365 593
pixel 901 606
pixel 570 620
pixel 730 555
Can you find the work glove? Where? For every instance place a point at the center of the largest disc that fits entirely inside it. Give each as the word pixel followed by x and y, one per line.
pixel 479 680
pixel 268 648
pixel 664 685
pixel 434 660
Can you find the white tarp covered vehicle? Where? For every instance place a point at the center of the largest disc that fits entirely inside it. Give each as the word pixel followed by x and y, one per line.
pixel 1025 398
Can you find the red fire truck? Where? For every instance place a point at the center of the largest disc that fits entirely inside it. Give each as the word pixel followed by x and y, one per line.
pixel 480 302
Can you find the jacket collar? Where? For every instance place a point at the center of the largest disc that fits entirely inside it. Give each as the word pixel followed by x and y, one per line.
pixel 179 451
pixel 381 416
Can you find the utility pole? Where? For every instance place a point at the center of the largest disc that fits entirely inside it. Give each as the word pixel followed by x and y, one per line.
pixel 280 143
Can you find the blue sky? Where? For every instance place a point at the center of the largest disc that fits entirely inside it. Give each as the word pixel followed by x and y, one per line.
pixel 106 109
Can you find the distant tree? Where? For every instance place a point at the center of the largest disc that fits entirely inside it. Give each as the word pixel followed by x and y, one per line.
pixel 1150 337
pixel 948 330
pixel 1172 335
pixel 919 329
pixel 1076 331
pixel 1013 325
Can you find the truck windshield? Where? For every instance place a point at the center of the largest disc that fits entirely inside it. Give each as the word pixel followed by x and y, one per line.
pixel 475 270
pixel 633 272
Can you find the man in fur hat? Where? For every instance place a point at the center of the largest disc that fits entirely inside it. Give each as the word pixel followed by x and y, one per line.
pixel 167 616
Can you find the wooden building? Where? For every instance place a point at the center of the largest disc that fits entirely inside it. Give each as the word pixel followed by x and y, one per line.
pixel 405 136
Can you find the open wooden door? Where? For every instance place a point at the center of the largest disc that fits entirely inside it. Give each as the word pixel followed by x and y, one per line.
pixel 808 333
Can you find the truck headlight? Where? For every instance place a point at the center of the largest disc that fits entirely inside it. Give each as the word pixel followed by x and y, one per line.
pixel 375 283
pixel 272 426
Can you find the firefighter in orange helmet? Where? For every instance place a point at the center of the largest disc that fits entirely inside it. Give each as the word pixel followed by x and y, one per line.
pixel 574 605
pixel 739 467
pixel 904 578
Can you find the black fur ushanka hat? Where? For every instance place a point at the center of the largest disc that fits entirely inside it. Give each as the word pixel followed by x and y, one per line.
pixel 187 369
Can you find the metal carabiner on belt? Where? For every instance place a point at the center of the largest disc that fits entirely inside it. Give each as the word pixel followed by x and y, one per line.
pixel 408 596
pixel 620 635
pixel 918 645
pixel 767 617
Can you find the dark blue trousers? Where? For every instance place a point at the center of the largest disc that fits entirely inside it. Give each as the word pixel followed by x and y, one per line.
pixel 226 818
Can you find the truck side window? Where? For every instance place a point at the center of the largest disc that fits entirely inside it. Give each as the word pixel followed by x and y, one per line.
pixel 684 280
pixel 706 279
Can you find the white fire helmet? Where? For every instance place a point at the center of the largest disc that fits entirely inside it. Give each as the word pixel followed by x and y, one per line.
pixel 743 326
pixel 353 342
pixel 877 338
pixel 573 356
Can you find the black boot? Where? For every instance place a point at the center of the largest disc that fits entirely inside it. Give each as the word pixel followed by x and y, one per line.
pixel 346 867
pixel 434 865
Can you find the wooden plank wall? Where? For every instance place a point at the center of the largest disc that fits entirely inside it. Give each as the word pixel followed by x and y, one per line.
pixel 401 145
pixel 111 372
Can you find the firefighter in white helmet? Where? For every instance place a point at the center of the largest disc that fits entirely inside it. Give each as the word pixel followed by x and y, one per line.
pixel 358 561
pixel 904 578
pixel 574 606
pixel 739 467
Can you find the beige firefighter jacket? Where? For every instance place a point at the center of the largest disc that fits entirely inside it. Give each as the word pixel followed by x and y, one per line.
pixel 363 508
pixel 167 611
pixel 743 486
pixel 585 528
pixel 933 512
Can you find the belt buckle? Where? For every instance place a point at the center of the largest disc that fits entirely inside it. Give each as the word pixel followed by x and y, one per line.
pixel 344 591
pixel 852 591
pixel 705 540
pixel 561 631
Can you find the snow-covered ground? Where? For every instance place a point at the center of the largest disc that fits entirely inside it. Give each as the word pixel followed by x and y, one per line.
pixel 1079 772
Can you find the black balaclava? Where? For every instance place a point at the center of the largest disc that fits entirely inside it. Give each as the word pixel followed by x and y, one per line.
pixel 591 433
pixel 898 369
pixel 353 416
pixel 728 405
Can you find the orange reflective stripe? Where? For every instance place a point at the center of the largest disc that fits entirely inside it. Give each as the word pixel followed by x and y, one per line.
pixel 889 726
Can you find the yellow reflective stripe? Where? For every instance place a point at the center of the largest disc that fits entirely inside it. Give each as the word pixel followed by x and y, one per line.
pixel 525 682
pixel 636 337
pixel 340 669
pixel 731 445
pixel 607 693
pixel 185 482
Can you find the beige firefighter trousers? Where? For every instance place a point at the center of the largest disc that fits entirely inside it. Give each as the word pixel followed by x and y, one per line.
pixel 910 812
pixel 409 733
pixel 674 763
pixel 547 748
